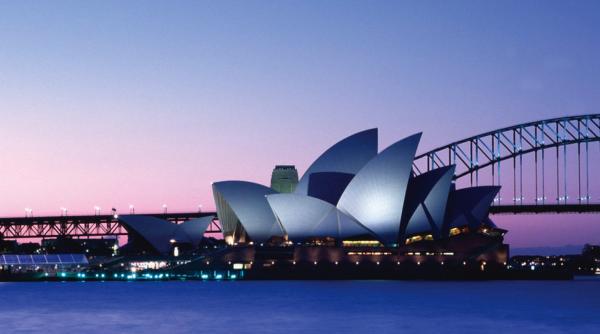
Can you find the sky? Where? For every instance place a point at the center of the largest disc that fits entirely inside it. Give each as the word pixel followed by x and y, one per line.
pixel 112 103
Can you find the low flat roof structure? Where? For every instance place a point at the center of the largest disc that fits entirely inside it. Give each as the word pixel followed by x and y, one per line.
pixel 43 259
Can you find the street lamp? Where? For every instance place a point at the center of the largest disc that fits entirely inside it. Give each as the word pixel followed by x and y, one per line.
pixel 175 248
pixel 28 212
pixel 199 208
pixel 131 209
pixel 64 211
pixel 96 210
pixel 164 206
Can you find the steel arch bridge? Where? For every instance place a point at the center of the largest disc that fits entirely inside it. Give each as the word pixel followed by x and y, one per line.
pixel 554 155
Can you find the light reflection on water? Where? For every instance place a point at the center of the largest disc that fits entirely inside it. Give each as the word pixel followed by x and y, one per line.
pixel 301 306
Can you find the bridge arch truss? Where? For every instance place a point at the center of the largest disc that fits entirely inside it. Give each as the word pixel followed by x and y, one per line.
pixel 558 150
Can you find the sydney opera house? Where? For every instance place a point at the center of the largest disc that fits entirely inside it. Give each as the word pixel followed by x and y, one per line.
pixel 358 205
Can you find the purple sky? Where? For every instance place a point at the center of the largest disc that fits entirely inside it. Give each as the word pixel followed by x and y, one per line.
pixel 145 103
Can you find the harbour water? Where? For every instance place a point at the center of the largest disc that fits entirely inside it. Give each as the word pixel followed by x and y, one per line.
pixel 302 307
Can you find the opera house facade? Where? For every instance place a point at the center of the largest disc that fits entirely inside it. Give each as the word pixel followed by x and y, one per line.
pixel 356 204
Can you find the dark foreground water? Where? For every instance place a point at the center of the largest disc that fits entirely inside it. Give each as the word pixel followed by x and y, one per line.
pixel 301 307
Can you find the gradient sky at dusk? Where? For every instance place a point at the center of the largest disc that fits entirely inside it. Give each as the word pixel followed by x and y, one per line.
pixel 144 102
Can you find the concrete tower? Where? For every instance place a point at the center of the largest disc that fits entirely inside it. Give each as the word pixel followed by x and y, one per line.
pixel 284 178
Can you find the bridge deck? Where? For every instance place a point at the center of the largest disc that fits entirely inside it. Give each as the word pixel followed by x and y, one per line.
pixel 546 208
pixel 107 225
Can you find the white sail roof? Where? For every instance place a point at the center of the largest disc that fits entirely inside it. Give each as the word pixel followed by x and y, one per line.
pixel 303 217
pixel 347 156
pixel 426 200
pixel 245 202
pixel 375 196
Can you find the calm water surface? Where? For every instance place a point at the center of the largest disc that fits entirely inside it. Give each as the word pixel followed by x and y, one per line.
pixel 301 307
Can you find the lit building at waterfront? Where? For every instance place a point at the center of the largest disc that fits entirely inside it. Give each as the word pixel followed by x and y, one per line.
pixel 352 191
pixel 355 196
